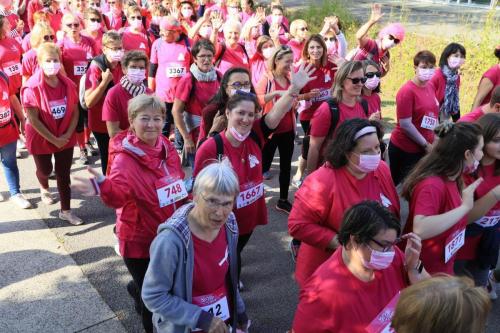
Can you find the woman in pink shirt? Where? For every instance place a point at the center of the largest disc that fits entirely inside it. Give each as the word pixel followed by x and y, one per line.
pixel 134 36
pixel 258 63
pixel 490 79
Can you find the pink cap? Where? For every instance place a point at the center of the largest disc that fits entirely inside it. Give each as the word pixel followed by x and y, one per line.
pixel 394 29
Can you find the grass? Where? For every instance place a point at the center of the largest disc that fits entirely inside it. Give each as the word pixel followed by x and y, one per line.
pixel 479 50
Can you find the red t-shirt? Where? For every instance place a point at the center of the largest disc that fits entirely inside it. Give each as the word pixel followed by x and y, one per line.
pixel 26 43
pixel 93 79
pixel 114 22
pixel 434 196
pixel 8 126
pixel 438 81
pixel 370 51
pixel 419 104
pixel 173 60
pixel 30 63
pixel 493 74
pixel 325 76
pixel 10 61
pixel 97 40
pixel 490 219
pixel 374 103
pixel 75 57
pixel 335 300
pixel 471 117
pixel 322 119
pixel 246 160
pixel 195 102
pixel 231 58
pixel 115 107
pixel 320 204
pixel 135 41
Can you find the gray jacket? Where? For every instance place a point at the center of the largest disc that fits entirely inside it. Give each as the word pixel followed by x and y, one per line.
pixel 168 284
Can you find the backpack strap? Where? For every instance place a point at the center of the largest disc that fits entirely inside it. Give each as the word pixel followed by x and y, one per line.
pixel 255 138
pixel 4 76
pixel 219 146
pixel 335 116
pixel 364 104
pixel 221 54
pixel 124 20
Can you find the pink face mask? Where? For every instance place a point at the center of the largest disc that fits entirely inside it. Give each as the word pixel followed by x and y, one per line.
pixel 51 68
pixel 136 24
pixel 379 260
pixel 425 74
pixel 372 83
pixel 368 163
pixel 237 135
pixel 455 62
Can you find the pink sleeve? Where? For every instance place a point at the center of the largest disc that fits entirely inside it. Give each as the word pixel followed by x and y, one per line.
pixel 321 121
pixel 109 108
pixel 428 197
pixel 29 99
pixel 311 206
pixel 183 89
pixel 93 77
pixel 206 153
pixel 404 102
pixel 492 74
pixel 154 52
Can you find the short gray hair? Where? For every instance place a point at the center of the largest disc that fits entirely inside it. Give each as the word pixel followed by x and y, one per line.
pixel 217 178
pixel 142 102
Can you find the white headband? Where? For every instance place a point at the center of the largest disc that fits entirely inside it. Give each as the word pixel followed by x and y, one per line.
pixel 364 131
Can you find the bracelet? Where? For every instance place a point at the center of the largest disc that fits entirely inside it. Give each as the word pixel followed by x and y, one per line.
pixel 420 267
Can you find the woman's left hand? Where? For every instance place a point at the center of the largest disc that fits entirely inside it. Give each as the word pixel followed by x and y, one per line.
pixel 413 248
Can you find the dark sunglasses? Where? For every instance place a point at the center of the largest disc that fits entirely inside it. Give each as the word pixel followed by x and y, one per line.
pixel 372 74
pixel 95 20
pixel 49 37
pixel 356 80
pixel 135 17
pixel 73 25
pixel 331 39
pixel 396 41
pixel 304 29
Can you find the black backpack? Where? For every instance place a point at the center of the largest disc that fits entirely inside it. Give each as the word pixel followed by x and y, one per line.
pixel 100 61
pixel 220 145
pixel 335 114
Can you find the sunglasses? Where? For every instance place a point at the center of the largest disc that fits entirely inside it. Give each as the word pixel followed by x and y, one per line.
pixel 372 74
pixel 95 20
pixel 331 39
pixel 73 25
pixel 49 37
pixel 135 18
pixel 304 29
pixel 396 41
pixel 356 80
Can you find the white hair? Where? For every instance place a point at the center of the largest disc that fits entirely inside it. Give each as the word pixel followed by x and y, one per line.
pixel 232 23
pixel 217 178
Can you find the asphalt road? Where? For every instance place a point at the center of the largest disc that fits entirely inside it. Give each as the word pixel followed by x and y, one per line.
pixel 270 292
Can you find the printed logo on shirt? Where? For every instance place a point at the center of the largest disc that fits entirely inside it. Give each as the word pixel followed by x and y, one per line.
pixel 327 78
pixel 5 96
pixel 181 57
pixel 225 257
pixel 142 46
pixel 252 160
pixel 384 200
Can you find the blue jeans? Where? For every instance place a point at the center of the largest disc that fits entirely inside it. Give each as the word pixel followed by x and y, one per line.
pixel 9 162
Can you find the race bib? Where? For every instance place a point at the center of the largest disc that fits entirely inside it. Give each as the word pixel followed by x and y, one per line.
pixel 453 243
pixel 170 190
pixel 5 116
pixel 486 221
pixel 12 68
pixel 382 322
pixel 429 123
pixel 58 108
pixel 215 303
pixel 249 196
pixel 176 71
pixel 79 68
pixel 323 96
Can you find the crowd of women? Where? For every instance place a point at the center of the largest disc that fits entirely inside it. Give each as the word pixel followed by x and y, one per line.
pixel 215 88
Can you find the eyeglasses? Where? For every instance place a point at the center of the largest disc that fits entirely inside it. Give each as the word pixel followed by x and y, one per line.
pixel 214 203
pixel 396 41
pixel 331 39
pixel 95 20
pixel 49 37
pixel 205 56
pixel 372 74
pixel 386 247
pixel 356 80
pixel 73 25
pixel 135 18
pixel 303 29
pixel 239 85
pixel 111 2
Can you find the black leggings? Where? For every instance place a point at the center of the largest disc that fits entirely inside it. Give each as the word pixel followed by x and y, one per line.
pixel 137 268
pixel 242 241
pixel 169 119
pixel 83 118
pixel 401 162
pixel 284 142
pixel 305 143
pixel 103 144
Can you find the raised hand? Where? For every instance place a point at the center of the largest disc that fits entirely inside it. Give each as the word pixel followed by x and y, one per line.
pixel 216 21
pixel 174 12
pixel 376 14
pixel 302 77
pixel 412 250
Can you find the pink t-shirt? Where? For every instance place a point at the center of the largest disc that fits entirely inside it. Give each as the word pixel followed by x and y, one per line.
pixel 374 103
pixel 296 49
pixel 472 116
pixel 173 61
pixel 419 104
pixel 30 63
pixel 231 58
pixel 10 61
pixel 75 56
pixel 135 41
pixel 113 22
pixel 26 43
pixel 493 74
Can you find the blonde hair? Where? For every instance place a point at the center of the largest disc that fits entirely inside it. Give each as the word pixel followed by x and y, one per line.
pixel 69 16
pixel 47 49
pixel 347 68
pixel 110 37
pixel 442 303
pixel 295 25
pixel 142 102
pixel 132 10
pixel 40 30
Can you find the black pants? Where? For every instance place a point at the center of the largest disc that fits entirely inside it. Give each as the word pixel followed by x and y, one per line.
pixel 137 268
pixel 169 119
pixel 284 142
pixel 83 118
pixel 401 162
pixel 242 241
pixel 305 143
pixel 103 144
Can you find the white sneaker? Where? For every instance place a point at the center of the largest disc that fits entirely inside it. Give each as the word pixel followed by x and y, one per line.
pixel 21 144
pixel 21 201
pixel 2 198
pixel 18 154
pixel 46 197
pixel 68 215
pixel 491 287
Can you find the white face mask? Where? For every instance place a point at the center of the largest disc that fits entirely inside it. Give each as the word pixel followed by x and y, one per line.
pixel 51 68
pixel 276 19
pixel 136 24
pixel 425 74
pixel 237 135
pixel 94 26
pixel 156 20
pixel 116 55
pixel 387 43
pixel 136 75
pixel 232 10
pixel 473 168
pixel 205 32
pixel 330 44
pixel 268 52
pixel 187 13
pixel 455 62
